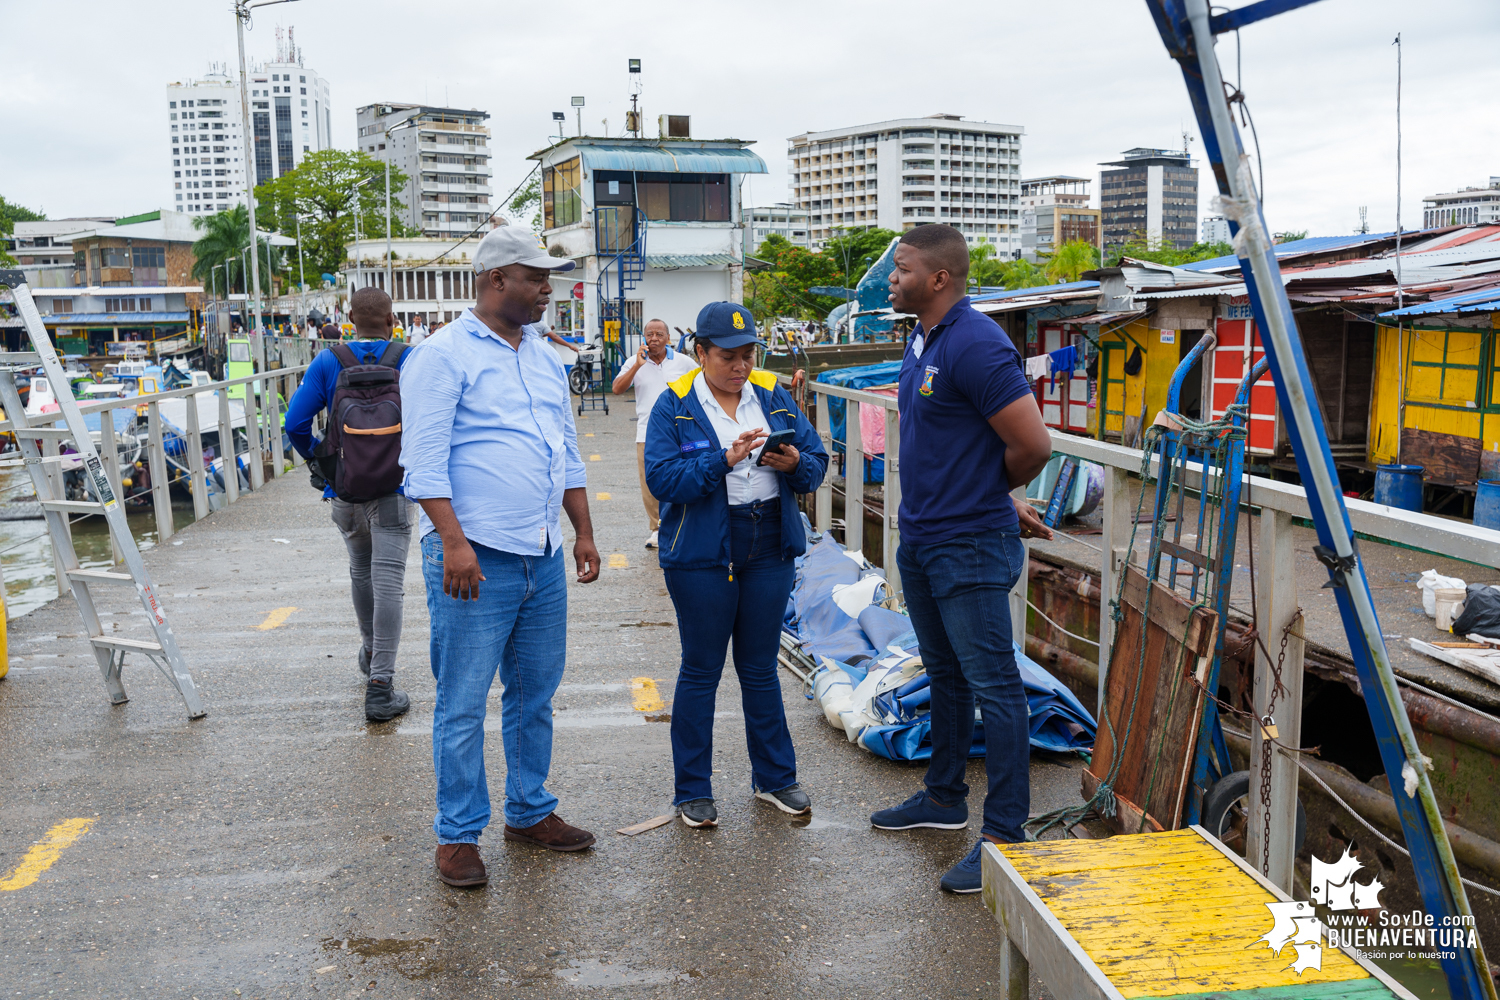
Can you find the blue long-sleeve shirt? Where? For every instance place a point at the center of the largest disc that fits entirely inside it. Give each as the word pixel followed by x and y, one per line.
pixel 316 392
pixel 491 428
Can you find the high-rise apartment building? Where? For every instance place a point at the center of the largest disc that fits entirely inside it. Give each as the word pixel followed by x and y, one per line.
pixel 445 154
pixel 1152 193
pixel 787 221
pixel 911 171
pixel 289 118
pixel 1055 210
pixel 1470 207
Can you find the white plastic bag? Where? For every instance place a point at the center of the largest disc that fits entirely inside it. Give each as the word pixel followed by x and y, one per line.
pixel 1430 581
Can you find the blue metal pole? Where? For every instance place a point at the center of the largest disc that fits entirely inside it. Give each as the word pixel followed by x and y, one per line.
pixel 1184 26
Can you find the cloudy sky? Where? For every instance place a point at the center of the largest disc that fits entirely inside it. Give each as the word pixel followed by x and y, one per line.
pixel 85 125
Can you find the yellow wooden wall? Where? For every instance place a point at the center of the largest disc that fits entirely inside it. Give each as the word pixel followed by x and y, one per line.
pixel 1432 398
pixel 1158 361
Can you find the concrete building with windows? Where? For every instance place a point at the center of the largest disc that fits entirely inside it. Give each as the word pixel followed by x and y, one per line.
pixel 1215 229
pixel 1150 193
pixel 289 118
pixel 663 214
pixel 420 284
pixel 781 219
pixel 445 155
pixel 1473 206
pixel 1055 210
pixel 44 249
pixel 909 171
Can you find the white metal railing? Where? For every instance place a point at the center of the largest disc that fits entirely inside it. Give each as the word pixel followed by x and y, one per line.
pixel 262 433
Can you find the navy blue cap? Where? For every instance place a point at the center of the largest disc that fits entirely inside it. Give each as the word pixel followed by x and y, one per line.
pixel 727 324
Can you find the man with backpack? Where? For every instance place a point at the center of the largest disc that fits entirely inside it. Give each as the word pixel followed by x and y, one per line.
pixel 358 469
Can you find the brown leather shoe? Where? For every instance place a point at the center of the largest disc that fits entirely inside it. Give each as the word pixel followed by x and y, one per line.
pixel 459 864
pixel 553 834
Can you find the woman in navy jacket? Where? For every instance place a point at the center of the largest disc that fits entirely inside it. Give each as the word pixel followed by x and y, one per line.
pixel 730 530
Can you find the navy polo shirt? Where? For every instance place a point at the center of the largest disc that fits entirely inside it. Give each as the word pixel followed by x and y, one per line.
pixel 953 479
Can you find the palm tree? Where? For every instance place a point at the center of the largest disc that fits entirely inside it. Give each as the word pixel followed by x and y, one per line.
pixel 1072 259
pixel 225 236
pixel 1023 274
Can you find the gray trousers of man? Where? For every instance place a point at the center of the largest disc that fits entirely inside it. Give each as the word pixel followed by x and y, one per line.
pixel 378 536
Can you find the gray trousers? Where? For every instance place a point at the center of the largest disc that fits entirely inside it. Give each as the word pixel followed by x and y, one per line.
pixel 378 535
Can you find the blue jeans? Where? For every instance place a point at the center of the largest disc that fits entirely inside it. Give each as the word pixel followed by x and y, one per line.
pixel 519 624
pixel 958 595
pixel 712 609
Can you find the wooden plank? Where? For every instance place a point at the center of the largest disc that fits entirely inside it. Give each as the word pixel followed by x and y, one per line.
pixel 1169 610
pixel 1450 458
pixel 1059 960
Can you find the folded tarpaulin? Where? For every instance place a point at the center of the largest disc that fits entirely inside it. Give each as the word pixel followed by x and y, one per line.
pixel 824 627
pixel 861 377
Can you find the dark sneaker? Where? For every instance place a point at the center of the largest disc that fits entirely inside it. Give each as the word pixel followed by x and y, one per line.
pixel 384 701
pixel 699 812
pixel 553 834
pixel 789 800
pixel 921 811
pixel 459 864
pixel 965 876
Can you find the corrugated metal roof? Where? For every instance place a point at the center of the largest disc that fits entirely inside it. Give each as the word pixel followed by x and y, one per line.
pixel 677 158
pixel 690 260
pixel 114 319
pixel 1067 286
pixel 1313 244
pixel 1484 300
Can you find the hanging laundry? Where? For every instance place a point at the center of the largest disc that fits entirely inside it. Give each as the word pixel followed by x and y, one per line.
pixel 1063 360
pixel 1039 367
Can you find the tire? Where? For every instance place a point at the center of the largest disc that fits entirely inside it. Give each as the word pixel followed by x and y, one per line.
pixel 578 381
pixel 1224 812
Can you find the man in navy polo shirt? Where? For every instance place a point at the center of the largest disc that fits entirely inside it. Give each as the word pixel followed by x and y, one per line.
pixel 970 431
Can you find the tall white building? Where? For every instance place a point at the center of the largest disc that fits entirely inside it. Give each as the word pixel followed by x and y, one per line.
pixel 1470 207
pixel 909 171
pixel 289 118
pixel 787 221
pixel 1215 229
pixel 445 155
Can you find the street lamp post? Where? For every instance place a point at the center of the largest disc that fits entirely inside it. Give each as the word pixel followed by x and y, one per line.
pixel 301 273
pixel 357 185
pixel 242 9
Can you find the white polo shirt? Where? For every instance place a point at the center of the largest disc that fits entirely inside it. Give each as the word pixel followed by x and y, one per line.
pixel 746 481
pixel 650 381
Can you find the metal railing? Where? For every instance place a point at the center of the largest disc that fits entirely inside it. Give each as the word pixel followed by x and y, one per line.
pixel 263 452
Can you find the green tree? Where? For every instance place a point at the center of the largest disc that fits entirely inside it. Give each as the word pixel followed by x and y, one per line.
pixel 1291 236
pixel 10 214
pixel 1155 250
pixel 225 235
pixel 1024 274
pixel 321 190
pixel 1070 260
pixel 984 269
pixel 529 199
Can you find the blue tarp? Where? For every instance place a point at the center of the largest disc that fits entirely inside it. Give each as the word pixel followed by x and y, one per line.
pixel 895 722
pixel 861 377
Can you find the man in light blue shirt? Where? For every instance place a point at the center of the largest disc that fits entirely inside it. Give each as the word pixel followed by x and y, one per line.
pixel 491 454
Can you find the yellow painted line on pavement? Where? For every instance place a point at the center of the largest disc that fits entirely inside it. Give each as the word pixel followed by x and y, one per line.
pixel 644 696
pixel 276 618
pixel 593 458
pixel 44 853
pixel 588 434
pixel 603 496
pixel 618 561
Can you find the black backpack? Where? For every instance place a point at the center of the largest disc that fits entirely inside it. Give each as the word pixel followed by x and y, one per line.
pixel 360 456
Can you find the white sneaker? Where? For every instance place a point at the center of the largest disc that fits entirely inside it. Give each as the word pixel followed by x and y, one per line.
pixel 651 542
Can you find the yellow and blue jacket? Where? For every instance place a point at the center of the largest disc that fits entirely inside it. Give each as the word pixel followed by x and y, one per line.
pixel 685 471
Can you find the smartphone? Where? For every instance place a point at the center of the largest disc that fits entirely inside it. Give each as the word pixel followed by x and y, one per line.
pixel 774 441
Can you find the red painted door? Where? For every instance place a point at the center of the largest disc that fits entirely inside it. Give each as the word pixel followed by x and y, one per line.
pixel 1237 350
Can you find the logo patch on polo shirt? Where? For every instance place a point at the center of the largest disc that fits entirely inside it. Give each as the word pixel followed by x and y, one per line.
pixel 931 374
pixel 695 446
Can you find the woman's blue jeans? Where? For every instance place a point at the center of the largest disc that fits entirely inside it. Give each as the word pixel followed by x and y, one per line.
pixel 958 595
pixel 518 626
pixel 712 610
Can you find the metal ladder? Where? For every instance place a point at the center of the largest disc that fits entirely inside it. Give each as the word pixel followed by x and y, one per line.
pixel 109 650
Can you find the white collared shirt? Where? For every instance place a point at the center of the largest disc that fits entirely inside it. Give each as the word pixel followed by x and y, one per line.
pixel 747 481
pixel 650 380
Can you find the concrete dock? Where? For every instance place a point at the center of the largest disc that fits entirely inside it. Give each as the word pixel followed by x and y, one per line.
pixel 283 847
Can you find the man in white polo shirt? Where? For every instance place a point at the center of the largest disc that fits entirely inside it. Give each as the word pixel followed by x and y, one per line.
pixel 653 366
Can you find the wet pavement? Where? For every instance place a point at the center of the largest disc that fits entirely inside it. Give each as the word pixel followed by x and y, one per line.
pixel 282 847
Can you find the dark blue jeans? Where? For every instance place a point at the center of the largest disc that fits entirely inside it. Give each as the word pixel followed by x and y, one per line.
pixel 712 610
pixel 958 595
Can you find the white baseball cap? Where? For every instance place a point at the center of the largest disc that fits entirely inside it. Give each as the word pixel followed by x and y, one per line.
pixel 515 245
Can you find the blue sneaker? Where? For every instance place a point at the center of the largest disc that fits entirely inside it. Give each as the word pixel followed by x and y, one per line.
pixel 921 811
pixel 965 876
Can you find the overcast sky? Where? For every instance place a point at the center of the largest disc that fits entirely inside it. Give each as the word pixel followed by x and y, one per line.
pixel 85 132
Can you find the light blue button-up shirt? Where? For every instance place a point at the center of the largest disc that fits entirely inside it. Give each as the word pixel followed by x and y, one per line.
pixel 491 428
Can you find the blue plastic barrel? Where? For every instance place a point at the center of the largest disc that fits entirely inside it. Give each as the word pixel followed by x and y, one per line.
pixel 1487 504
pixel 1399 486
